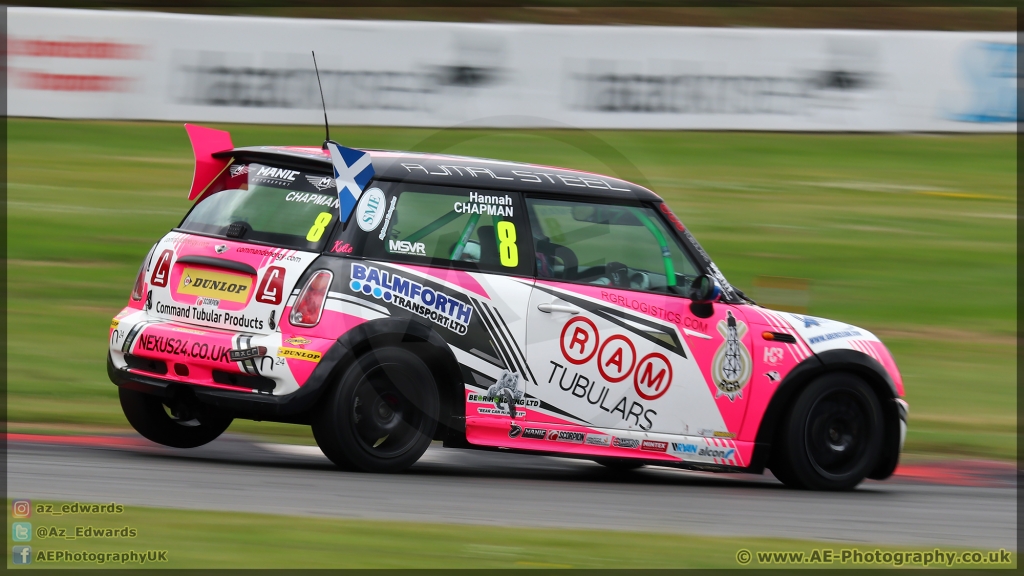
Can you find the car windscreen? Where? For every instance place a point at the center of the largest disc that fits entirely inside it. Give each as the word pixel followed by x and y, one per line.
pixel 268 205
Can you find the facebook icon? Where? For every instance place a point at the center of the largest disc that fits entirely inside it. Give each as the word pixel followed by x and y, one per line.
pixel 22 555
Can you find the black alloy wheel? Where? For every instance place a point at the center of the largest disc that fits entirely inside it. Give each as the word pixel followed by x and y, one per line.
pixel 832 437
pixel 382 414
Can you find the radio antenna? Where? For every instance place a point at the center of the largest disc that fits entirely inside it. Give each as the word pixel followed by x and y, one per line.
pixel 327 127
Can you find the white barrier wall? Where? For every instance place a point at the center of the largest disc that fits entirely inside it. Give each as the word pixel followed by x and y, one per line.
pixel 136 65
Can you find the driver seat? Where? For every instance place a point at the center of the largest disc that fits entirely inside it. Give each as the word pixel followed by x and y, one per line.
pixel 488 245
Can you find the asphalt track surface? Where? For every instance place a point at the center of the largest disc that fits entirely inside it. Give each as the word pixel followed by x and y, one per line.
pixel 473 487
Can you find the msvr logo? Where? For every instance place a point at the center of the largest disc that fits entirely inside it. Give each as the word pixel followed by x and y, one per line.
pixel 406 247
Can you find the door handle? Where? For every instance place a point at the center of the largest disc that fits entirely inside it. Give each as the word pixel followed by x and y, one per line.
pixel 549 308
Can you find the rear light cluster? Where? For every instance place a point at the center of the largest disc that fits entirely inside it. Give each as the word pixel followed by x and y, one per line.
pixel 310 305
pixel 140 281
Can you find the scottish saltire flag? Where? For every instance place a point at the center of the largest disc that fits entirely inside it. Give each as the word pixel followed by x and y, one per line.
pixel 352 172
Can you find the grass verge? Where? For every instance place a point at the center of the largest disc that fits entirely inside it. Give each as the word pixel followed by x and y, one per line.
pixel 206 539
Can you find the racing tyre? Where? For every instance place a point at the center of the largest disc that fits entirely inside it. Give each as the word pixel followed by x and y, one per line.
pixel 172 423
pixel 833 436
pixel 381 415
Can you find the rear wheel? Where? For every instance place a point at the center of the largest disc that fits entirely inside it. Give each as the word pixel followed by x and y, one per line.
pixel 382 414
pixel 833 436
pixel 172 422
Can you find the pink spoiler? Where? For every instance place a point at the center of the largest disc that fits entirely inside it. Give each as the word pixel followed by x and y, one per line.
pixel 206 141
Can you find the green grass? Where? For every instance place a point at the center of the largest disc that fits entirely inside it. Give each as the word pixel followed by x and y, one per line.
pixel 911 236
pixel 206 539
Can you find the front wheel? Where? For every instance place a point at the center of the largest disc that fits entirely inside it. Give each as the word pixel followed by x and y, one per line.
pixel 833 436
pixel 381 415
pixel 172 422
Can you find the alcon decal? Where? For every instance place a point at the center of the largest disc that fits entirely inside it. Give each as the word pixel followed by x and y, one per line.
pixel 413 296
pixel 724 454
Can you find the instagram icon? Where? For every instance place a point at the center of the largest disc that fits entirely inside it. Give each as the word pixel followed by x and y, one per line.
pixel 21 508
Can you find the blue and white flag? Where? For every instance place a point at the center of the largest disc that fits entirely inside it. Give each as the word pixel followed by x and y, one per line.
pixel 352 172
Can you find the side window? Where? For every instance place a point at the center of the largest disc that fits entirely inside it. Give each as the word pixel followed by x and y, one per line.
pixel 452 227
pixel 608 245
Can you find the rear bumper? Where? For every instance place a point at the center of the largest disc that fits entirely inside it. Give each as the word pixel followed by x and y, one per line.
pixel 248 405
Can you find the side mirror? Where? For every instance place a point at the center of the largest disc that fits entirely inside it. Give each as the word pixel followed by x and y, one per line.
pixel 703 290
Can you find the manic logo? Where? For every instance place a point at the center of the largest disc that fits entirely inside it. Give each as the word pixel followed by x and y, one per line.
pixel 413 296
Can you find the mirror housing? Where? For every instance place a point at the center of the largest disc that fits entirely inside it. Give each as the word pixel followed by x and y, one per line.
pixel 703 290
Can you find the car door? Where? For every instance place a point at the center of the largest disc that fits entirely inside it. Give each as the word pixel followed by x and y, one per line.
pixel 611 341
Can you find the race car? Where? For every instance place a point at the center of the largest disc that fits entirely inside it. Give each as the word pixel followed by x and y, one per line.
pixel 388 299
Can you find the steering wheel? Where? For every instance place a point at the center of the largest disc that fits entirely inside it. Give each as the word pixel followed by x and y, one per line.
pixel 618 274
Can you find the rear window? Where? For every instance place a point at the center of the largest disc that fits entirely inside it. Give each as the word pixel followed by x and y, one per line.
pixel 268 205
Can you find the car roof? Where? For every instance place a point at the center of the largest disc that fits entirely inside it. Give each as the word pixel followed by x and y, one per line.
pixel 459 171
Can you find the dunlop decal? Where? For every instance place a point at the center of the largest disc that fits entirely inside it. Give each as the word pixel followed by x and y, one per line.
pixel 297 354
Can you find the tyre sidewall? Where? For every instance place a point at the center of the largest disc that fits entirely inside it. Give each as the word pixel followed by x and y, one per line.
pixel 799 469
pixel 335 432
pixel 145 412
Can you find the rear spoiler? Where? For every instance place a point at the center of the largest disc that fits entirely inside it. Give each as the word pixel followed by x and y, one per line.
pixel 205 143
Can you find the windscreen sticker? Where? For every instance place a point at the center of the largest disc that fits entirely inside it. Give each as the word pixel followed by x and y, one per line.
pixel 320 182
pixel 484 204
pixel 313 198
pixel 406 247
pixel 273 176
pixel 387 219
pixel 370 209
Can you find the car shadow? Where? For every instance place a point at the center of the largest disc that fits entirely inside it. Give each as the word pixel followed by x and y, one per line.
pixel 463 463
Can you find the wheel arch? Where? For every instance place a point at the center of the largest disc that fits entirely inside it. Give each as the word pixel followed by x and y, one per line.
pixel 416 338
pixel 833 361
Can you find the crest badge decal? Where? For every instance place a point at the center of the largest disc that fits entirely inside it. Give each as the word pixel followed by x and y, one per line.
pixel 731 366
